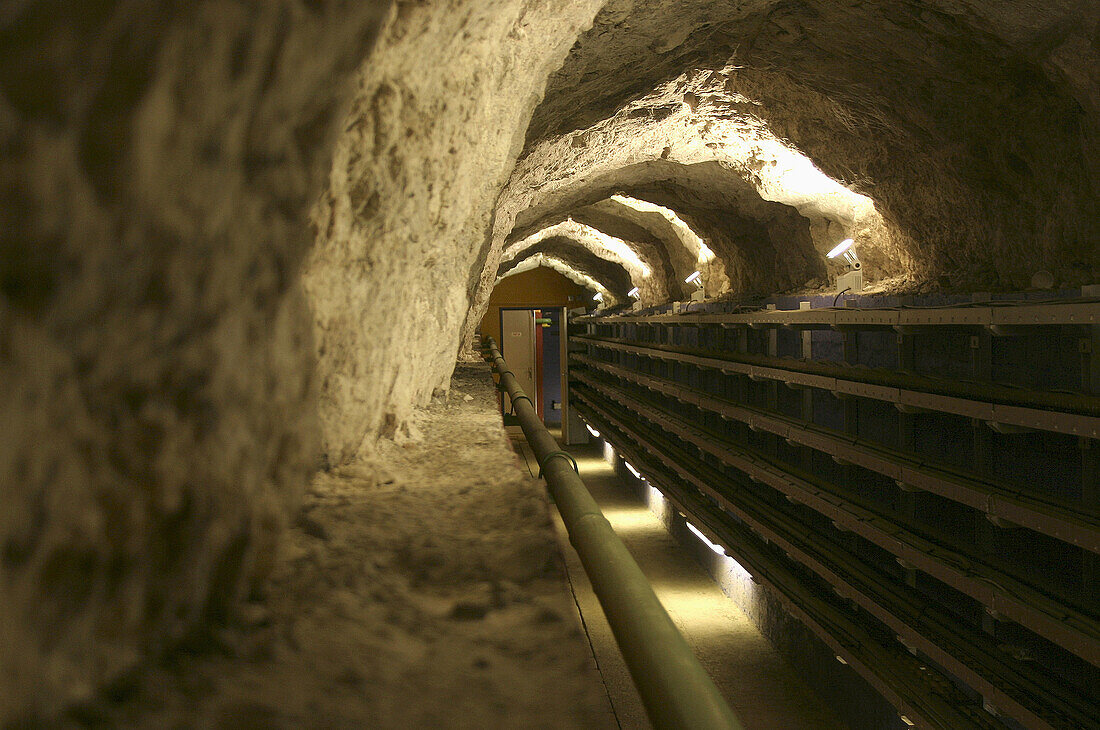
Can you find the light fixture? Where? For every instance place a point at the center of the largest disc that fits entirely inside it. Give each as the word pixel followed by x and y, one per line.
pixel 847 248
pixel 592 431
pixel 718 549
pixel 851 280
pixel 696 278
pixel 634 293
pixel 637 474
pixel 598 296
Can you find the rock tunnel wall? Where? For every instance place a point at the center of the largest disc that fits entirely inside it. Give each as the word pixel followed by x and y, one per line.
pixel 169 382
pixel 401 228
pixel 972 125
pixel 155 348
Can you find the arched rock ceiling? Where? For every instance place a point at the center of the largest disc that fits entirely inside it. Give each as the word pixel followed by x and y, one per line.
pixel 573 274
pixel 643 262
pixel 654 236
pixel 763 208
pixel 972 125
pixel 683 244
pixel 612 275
pixel 747 233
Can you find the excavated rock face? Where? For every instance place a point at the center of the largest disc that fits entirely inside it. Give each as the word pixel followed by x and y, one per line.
pixel 703 152
pixel 744 230
pixel 157 416
pixel 157 351
pixel 638 261
pixel 611 275
pixel 162 162
pixel 652 250
pixel 435 129
pixel 566 269
pixel 682 256
pixel 972 125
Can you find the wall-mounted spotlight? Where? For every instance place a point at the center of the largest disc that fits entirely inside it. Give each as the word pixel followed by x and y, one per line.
pixel 696 278
pixel 847 249
pixel 594 432
pixel 597 297
pixel 634 293
pixel 851 280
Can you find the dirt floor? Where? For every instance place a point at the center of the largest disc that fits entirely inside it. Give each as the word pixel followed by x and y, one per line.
pixel 419 588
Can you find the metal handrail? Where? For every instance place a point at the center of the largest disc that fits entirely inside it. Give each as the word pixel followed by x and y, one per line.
pixel 675 689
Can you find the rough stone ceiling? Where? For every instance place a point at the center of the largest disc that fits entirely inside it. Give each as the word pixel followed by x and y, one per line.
pixel 577 277
pixel 612 275
pixel 701 151
pixel 641 263
pixel 742 229
pixel 686 251
pixel 193 336
pixel 653 250
pixel 601 244
pixel 689 122
pixel 971 126
pixel 555 264
pixel 947 113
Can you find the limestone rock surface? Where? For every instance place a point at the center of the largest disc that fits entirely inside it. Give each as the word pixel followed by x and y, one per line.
pixel 972 125
pixel 435 129
pixel 157 408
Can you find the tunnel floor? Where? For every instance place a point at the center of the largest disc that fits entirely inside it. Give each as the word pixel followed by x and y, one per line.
pixel 421 587
pixel 761 688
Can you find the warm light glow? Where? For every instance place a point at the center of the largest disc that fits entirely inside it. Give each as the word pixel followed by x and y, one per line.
pixel 637 474
pixel 592 431
pixel 654 497
pixel 847 249
pixel 843 246
pixel 718 549
pixel 907 721
pixel 688 237
pixel 633 520
pixel 779 171
pixel 577 277
pixel 738 572
pixel 601 244
pixel 608 452
pixel 657 503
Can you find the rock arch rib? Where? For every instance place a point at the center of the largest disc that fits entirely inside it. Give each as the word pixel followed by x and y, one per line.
pixel 610 274
pixel 644 269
